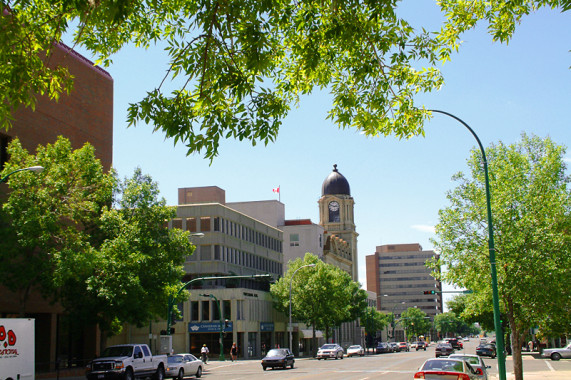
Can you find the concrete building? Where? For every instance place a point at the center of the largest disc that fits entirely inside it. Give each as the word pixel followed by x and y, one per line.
pixel 399 275
pixel 301 236
pixel 85 115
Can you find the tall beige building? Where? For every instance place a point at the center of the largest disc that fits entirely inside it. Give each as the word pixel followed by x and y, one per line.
pixel 399 275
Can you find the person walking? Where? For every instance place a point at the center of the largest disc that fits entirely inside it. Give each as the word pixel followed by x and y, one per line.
pixel 234 352
pixel 204 353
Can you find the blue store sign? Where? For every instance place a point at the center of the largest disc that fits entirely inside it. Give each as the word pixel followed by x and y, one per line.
pixel 266 326
pixel 211 327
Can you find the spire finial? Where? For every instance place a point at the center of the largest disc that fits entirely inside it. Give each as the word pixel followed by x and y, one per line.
pixel 334 167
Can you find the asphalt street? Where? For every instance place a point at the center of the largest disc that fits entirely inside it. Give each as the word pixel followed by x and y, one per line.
pixel 394 366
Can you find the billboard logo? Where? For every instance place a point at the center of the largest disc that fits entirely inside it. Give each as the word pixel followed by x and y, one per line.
pixel 7 342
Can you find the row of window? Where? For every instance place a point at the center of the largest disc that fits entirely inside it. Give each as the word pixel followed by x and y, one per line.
pixel 406 264
pixel 218 224
pixel 247 259
pixel 246 233
pixel 408 278
pixel 386 286
pixel 400 257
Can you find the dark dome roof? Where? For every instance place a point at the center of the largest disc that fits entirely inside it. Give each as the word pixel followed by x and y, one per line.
pixel 335 183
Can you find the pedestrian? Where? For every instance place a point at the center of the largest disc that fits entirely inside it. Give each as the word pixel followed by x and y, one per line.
pixel 234 352
pixel 204 353
pixel 530 346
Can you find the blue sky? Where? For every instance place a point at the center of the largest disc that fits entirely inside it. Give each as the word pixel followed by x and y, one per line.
pixel 398 185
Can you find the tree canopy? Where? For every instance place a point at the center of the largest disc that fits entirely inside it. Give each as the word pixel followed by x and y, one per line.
pixel 415 322
pixel 96 245
pixel 237 67
pixel 323 297
pixel 531 208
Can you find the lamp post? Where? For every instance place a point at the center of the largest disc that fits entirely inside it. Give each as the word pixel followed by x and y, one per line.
pixel 492 255
pixel 393 324
pixel 221 356
pixel 290 327
pixel 35 169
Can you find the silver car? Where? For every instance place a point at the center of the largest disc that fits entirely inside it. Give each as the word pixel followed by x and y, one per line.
pixel 557 353
pixel 330 351
pixel 181 365
pixel 355 350
pixel 476 362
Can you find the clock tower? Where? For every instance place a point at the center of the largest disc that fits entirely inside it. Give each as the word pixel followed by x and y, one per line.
pixel 337 218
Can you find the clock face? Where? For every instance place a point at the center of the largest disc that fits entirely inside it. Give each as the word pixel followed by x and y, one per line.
pixel 333 206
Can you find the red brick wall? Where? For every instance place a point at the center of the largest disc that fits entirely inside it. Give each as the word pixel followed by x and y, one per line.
pixel 85 115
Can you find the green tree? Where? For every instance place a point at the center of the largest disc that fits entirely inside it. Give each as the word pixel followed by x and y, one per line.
pixel 50 218
pixel 237 67
pixel 323 297
pixel 104 265
pixel 373 321
pixel 415 322
pixel 531 206
pixel 447 323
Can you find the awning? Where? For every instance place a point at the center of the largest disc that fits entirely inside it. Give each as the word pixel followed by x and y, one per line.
pixel 308 334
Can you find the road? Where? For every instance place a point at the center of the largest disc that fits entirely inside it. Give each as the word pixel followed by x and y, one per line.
pixel 395 366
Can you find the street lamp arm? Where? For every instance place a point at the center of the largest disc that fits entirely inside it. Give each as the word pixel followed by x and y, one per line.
pixel 492 255
pixel 35 169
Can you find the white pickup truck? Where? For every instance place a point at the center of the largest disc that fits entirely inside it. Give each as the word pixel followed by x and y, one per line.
pixel 127 362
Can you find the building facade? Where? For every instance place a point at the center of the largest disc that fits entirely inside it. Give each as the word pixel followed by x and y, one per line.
pixel 83 116
pixel 400 277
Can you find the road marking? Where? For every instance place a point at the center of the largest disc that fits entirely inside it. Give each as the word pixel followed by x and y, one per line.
pixel 549 366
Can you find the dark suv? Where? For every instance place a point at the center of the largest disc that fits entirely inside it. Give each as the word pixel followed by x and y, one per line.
pixel 454 343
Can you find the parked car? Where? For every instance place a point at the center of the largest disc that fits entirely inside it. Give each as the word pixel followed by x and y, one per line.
pixel 421 345
pixel 394 346
pixel 446 369
pixel 557 353
pixel 181 365
pixel 486 350
pixel 278 357
pixel 476 362
pixel 443 349
pixel 414 344
pixel 330 351
pixel 382 348
pixel 404 346
pixel 355 350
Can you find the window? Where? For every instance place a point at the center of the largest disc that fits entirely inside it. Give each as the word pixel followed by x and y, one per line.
pixel 227 309
pixel 4 140
pixel 177 223
pixel 205 224
pixel 294 240
pixel 205 310
pixel 194 310
pixel 191 224
pixel 216 252
pixel 146 351
pixel 137 351
pixel 217 224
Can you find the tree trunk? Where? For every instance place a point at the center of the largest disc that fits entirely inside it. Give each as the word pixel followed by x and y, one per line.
pixel 314 339
pixel 516 338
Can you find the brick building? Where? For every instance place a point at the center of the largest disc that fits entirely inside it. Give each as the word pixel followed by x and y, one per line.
pixel 85 115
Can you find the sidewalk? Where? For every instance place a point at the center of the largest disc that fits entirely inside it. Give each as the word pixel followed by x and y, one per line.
pixel 540 375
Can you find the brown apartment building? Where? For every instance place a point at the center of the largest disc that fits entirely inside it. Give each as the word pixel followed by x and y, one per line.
pixel 85 115
pixel 399 275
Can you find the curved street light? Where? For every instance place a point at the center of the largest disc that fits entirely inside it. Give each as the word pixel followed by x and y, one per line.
pixel 35 169
pixel 492 255
pixel 290 328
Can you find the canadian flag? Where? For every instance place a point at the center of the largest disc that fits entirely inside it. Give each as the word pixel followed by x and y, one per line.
pixel 276 190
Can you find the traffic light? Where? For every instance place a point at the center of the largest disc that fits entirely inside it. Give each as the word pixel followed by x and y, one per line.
pixel 429 292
